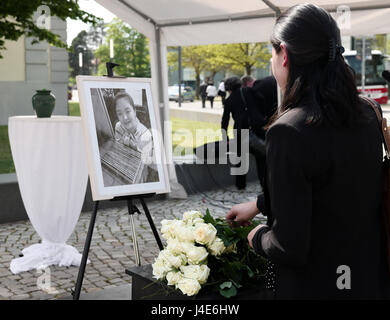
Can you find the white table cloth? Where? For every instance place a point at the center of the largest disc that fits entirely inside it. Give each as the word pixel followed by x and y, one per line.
pixel 50 162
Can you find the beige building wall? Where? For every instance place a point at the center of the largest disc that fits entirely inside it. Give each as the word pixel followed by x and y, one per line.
pixel 12 65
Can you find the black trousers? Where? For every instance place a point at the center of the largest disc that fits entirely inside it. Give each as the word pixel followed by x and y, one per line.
pixel 260 167
pixel 211 101
pixel 203 101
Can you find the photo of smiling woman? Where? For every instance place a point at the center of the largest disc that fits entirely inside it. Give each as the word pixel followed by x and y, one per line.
pixel 124 137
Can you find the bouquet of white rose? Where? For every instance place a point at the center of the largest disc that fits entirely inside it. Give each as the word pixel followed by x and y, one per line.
pixel 198 248
pixel 183 263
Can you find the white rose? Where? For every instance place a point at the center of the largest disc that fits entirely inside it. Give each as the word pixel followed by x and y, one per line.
pixel 205 233
pixel 166 228
pixel 174 246
pixel 186 246
pixel 197 220
pixel 185 233
pixel 188 286
pixel 216 247
pixel 174 260
pixel 196 272
pixel 160 268
pixel 188 216
pixel 173 277
pixel 196 255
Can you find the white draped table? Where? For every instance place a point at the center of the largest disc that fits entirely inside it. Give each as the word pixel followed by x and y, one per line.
pixel 50 162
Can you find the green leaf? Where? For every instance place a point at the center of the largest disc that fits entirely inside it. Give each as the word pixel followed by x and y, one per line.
pixel 227 284
pixel 208 218
pixel 250 272
pixel 228 293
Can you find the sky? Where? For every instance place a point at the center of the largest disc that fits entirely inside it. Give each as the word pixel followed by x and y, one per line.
pixel 90 6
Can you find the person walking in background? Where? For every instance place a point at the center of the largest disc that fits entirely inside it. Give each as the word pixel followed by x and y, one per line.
pixel 211 92
pixel 203 93
pixel 323 186
pixel 222 91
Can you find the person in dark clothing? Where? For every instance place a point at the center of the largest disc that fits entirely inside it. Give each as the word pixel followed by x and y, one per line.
pixel 203 92
pixel 266 101
pixel 325 234
pixel 235 106
pixel 247 81
pixel 260 104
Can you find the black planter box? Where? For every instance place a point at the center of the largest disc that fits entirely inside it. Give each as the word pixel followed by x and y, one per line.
pixel 145 287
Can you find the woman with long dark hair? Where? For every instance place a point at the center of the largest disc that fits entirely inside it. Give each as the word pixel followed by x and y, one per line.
pixel 324 237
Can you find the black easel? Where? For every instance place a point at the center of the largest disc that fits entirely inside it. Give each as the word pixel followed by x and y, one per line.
pixel 132 209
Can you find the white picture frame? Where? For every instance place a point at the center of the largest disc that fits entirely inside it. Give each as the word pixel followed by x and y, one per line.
pixel 123 137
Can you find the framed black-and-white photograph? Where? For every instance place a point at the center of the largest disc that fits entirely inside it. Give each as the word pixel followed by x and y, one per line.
pixel 123 137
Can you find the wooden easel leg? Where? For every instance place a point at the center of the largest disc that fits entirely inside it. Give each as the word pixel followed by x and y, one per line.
pixel 80 277
pixel 154 230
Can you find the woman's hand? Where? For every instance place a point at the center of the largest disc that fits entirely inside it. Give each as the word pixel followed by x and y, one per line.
pixel 253 232
pixel 242 213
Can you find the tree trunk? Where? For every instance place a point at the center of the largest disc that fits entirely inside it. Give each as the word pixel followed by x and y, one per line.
pixel 197 84
pixel 248 69
pixel 213 76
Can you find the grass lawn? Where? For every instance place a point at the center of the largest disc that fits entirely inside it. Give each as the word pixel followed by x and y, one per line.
pixel 188 134
pixel 74 109
pixel 6 163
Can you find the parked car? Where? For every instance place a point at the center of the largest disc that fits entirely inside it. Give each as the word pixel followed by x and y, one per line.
pixel 187 94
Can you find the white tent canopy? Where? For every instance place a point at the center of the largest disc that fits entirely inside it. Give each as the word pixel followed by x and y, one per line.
pixel 193 22
pixel 196 22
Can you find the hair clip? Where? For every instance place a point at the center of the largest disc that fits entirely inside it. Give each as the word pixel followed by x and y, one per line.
pixel 340 49
pixel 334 48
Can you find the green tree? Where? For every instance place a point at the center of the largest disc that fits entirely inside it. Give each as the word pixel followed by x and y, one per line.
pixel 80 45
pixel 215 60
pixel 381 42
pixel 192 57
pixel 244 57
pixel 131 51
pixel 17 19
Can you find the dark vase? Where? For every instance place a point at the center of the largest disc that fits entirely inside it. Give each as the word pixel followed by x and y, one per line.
pixel 43 103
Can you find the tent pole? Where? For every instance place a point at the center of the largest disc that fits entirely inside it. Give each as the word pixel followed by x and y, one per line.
pixel 177 190
pixel 273 7
pixel 159 79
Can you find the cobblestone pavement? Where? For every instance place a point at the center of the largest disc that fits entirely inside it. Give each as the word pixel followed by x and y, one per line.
pixel 111 248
